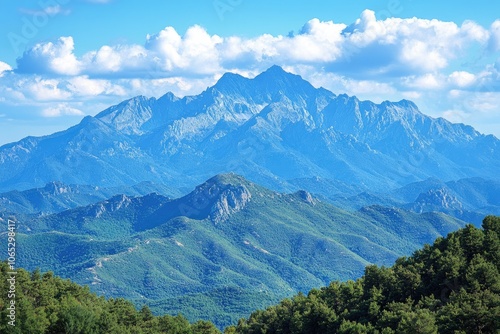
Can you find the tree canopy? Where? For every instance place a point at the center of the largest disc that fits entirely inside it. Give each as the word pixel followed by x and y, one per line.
pixel 45 303
pixel 452 286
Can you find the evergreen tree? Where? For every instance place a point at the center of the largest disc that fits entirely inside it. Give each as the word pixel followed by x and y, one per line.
pixel 451 287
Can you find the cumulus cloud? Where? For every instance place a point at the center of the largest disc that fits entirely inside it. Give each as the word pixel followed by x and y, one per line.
pixel 50 58
pixel 317 42
pixel 462 78
pixel 83 86
pixel 61 109
pixel 494 41
pixel 109 60
pixel 404 46
pixel 196 51
pixel 424 82
pixel 4 67
pixel 369 47
pixel 44 89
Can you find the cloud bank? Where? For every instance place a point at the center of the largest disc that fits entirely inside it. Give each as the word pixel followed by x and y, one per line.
pixel 369 47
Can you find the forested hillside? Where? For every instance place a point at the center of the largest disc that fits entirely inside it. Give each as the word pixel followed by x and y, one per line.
pixel 227 248
pixel 45 303
pixel 452 286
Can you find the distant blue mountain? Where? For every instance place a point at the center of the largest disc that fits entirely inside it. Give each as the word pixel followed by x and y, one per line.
pixel 56 197
pixel 468 199
pixel 275 129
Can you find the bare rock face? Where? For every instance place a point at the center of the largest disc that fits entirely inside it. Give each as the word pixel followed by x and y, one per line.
pixel 56 188
pixel 217 199
pixel 435 199
pixel 231 200
pixel 113 204
pixel 306 197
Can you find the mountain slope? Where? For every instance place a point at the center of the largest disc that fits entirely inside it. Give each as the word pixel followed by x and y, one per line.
pixel 275 129
pixel 228 233
pixel 452 286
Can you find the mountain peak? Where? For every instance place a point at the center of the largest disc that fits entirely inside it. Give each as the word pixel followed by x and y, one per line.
pixel 276 72
pixel 228 179
pixel 129 115
pixel 276 81
pixel 437 198
pixel 169 96
pixel 218 198
pixel 231 83
pixel 306 197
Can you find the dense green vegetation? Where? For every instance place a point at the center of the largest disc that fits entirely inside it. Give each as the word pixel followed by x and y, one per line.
pixel 45 303
pixel 452 286
pixel 190 256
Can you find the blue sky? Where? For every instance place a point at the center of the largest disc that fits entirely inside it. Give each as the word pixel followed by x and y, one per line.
pixel 63 59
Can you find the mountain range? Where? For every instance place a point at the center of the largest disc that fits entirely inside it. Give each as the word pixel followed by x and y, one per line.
pixel 222 250
pixel 275 129
pixel 56 196
pixel 469 199
pixel 309 187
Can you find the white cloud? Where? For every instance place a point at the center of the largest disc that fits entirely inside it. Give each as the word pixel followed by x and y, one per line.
pixel 368 48
pixel 4 67
pixel 420 55
pixel 455 116
pixel 475 32
pixel 61 109
pixel 44 89
pixel 412 45
pixel 195 52
pixel 363 89
pixel 455 93
pixel 83 86
pixel 495 36
pixel 106 59
pixel 50 10
pixel 427 81
pixel 131 59
pixel 462 78
pixel 180 86
pixel 56 58
pixel 484 102
pixel 9 94
pixel 412 95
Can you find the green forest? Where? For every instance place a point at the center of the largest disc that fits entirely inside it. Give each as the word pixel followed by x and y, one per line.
pixel 48 304
pixel 452 286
